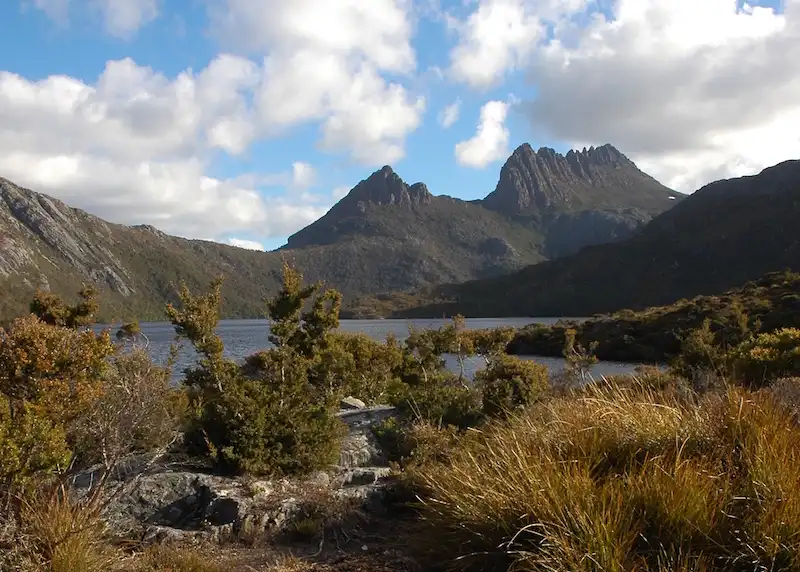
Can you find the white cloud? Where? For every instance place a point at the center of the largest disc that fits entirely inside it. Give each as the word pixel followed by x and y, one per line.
pixel 449 115
pixel 244 243
pixel 490 143
pixel 324 61
pixel 133 147
pixel 691 91
pixel 123 18
pixel 303 175
pixel 499 36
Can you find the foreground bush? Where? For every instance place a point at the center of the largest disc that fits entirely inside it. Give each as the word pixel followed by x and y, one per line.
pixel 274 415
pixel 623 478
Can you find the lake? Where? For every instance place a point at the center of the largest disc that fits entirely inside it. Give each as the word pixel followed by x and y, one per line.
pixel 245 337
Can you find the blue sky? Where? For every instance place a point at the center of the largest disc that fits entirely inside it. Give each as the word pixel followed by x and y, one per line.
pixel 105 103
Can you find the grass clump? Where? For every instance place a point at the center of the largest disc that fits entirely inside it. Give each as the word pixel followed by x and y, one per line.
pixel 622 476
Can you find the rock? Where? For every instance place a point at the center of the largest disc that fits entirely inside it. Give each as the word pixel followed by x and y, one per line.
pixel 363 476
pixel 160 502
pixel 360 448
pixel 351 403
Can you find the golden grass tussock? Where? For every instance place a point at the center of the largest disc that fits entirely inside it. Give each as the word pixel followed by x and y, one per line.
pixel 623 476
pixel 59 534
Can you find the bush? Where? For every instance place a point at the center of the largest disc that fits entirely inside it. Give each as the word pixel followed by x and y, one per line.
pixel 31 446
pixel 622 478
pixel 354 364
pixel 439 399
pixel 138 411
pixel 510 383
pixel 273 424
pixel 766 357
pixel 274 415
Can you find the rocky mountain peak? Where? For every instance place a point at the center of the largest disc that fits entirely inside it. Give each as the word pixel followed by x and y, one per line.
pixel 545 179
pixel 385 187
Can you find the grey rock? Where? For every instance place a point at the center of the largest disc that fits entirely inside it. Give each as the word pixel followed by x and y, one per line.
pixel 361 476
pixel 351 403
pixel 360 448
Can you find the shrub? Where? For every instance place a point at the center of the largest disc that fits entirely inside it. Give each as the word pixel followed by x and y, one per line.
pixel 510 383
pixel 700 351
pixel 273 424
pixel 354 364
pixel 272 416
pixel 30 445
pixel 440 399
pixel 137 411
pixel 58 369
pixel 129 331
pixel 767 356
pixel 52 310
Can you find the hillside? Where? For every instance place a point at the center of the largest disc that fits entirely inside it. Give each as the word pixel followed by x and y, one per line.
pixel 723 235
pixel 655 334
pixel 385 235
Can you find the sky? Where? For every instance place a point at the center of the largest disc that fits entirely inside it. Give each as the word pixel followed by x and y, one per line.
pixel 242 121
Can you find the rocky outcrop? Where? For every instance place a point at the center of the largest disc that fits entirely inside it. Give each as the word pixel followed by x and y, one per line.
pixel 534 182
pixel 163 501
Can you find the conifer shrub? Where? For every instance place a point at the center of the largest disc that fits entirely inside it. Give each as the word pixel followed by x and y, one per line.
pixel 273 415
pixel 509 384
pixel 357 365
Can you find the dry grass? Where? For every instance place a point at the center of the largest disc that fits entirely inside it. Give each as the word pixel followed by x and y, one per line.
pixel 58 534
pixel 175 559
pixel 623 477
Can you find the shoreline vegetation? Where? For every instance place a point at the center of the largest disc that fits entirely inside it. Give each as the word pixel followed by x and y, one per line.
pixel 690 469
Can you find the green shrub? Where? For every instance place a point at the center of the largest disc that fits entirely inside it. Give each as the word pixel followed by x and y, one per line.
pixel 766 357
pixel 510 383
pixel 440 399
pixel 354 364
pixel 272 424
pixel 31 445
pixel 275 414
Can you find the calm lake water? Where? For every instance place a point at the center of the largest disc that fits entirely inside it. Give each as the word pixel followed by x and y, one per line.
pixel 245 337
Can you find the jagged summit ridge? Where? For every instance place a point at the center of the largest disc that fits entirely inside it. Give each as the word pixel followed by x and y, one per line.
pixel 533 181
pixel 385 187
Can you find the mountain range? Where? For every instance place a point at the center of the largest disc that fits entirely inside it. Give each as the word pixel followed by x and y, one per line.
pixel 383 236
pixel 723 235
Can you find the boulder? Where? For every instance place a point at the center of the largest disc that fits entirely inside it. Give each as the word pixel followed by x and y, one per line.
pixel 351 403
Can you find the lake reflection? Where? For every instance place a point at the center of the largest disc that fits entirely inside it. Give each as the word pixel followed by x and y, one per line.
pixel 245 337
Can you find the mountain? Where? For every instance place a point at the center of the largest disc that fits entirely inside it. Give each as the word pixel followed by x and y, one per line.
pixel 385 235
pixel 582 198
pixel 725 234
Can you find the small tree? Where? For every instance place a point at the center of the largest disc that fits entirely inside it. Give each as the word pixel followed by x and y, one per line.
pixel 52 310
pixel 578 360
pixel 129 331
pixel 265 417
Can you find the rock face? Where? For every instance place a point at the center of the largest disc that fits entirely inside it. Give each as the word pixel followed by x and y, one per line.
pixel 162 502
pixel 599 178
